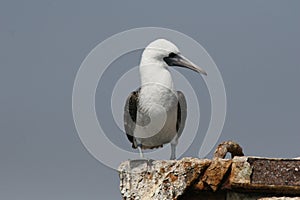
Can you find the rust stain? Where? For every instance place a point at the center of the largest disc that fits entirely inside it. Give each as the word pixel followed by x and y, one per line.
pixel 173 177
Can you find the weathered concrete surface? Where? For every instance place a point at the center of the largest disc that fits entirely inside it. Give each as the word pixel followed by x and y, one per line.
pixel 159 179
pixel 280 198
pixel 247 178
pixel 247 196
pixel 265 175
pixel 214 174
pixel 192 178
pixel 240 172
pixel 284 171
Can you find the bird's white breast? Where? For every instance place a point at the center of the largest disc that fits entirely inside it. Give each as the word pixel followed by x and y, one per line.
pixel 157 115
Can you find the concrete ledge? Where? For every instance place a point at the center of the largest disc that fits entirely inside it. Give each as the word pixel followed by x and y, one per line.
pixel 241 177
pixel 265 175
pixel 192 178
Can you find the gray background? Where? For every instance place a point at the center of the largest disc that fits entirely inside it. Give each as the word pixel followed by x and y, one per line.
pixel 42 44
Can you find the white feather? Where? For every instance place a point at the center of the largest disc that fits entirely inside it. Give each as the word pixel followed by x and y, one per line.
pixel 158 98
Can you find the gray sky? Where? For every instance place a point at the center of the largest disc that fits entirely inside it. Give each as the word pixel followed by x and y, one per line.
pixel 255 44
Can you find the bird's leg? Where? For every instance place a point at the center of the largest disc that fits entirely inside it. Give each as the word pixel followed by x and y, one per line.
pixel 174 143
pixel 138 144
pixel 141 151
pixel 149 161
pixel 173 152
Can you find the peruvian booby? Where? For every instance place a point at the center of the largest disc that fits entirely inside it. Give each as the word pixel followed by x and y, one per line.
pixel 155 114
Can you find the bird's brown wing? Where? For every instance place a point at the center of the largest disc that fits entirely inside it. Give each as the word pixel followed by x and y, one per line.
pixel 181 113
pixel 130 113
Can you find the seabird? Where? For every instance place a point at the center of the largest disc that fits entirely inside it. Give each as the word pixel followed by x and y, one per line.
pixel 155 113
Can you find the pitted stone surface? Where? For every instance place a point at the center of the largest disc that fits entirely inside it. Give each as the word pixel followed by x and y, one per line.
pixel 159 179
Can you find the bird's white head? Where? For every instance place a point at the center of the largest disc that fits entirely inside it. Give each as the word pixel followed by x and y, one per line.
pixel 157 57
pixel 155 52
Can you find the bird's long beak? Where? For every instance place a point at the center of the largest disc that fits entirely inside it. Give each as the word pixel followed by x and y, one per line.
pixel 180 61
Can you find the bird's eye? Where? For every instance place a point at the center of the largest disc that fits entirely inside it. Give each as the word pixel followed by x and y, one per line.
pixel 172 55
